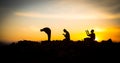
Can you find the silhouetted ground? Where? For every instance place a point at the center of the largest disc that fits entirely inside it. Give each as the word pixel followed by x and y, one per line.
pixel 60 52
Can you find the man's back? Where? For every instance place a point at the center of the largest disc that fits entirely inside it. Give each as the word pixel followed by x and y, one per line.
pixel 92 36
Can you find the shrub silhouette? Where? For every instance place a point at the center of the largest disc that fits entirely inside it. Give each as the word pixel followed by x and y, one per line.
pixel 59 51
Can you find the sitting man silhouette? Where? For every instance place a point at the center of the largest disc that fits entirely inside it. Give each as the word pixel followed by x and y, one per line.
pixel 66 35
pixel 92 35
pixel 47 31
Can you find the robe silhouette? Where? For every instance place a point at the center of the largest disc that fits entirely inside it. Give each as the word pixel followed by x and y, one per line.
pixel 47 31
pixel 66 35
pixel 91 38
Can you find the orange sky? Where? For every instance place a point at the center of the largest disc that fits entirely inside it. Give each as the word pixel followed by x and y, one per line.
pixel 24 21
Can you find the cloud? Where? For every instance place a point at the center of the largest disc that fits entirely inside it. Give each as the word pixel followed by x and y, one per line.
pixel 21 3
pixel 111 6
pixel 65 9
pixel 108 5
pixel 64 16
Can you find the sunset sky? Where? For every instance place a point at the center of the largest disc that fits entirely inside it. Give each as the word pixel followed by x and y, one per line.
pixel 23 19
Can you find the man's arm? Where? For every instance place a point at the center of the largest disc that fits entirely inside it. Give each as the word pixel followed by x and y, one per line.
pixel 87 32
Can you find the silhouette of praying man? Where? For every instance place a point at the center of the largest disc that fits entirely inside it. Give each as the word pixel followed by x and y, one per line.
pixel 92 35
pixel 47 31
pixel 66 35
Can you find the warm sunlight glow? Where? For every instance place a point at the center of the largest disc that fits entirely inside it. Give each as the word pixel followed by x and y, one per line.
pixel 99 30
pixel 97 39
pixel 25 22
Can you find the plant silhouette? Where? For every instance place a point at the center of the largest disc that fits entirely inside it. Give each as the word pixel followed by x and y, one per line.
pixel 66 35
pixel 25 51
pixel 47 31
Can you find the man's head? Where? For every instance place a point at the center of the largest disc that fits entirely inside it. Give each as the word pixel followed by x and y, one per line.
pixel 46 29
pixel 92 31
pixel 64 30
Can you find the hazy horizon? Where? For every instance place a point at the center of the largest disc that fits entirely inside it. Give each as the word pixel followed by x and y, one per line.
pixel 23 19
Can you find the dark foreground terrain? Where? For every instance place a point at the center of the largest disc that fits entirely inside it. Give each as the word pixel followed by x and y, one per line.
pixel 60 52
